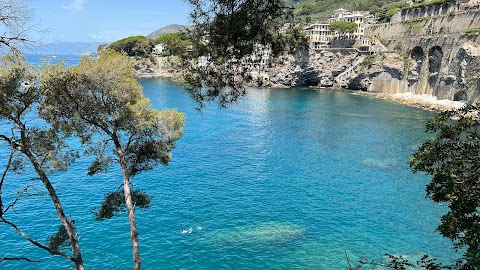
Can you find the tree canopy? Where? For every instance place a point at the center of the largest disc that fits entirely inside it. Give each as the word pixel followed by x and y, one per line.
pixel 133 46
pixel 33 142
pixel 176 43
pixel 101 102
pixel 322 10
pixel 225 32
pixel 344 27
pixel 452 159
pixel 16 23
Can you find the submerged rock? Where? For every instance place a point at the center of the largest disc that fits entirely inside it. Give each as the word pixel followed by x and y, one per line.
pixel 263 234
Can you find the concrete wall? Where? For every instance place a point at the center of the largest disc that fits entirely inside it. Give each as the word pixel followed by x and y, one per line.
pixel 440 25
pixel 427 11
pixel 342 43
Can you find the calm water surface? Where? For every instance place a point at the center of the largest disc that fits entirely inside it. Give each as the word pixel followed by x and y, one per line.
pixel 285 179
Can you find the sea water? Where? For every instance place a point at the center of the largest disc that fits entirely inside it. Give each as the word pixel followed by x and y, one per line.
pixel 284 179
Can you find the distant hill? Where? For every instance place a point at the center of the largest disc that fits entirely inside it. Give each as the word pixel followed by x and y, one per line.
pixel 172 28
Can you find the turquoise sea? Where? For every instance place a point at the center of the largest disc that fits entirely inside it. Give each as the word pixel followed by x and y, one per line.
pixel 284 179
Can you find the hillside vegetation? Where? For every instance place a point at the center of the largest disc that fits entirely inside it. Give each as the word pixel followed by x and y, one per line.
pixel 143 46
pixel 320 10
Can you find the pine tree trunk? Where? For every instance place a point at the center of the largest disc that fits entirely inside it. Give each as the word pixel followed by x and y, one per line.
pixel 77 254
pixel 130 206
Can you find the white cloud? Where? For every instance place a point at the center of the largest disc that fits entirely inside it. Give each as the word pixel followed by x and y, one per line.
pixel 75 5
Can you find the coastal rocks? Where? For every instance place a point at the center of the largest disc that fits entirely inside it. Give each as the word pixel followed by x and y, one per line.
pixel 329 69
pixel 291 71
pixel 466 62
pixel 144 67
pixel 450 80
pixel 362 80
pixel 450 75
pixel 308 69
pixel 155 67
pixel 428 102
pixel 385 67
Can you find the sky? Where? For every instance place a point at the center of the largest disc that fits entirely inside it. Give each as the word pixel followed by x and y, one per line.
pixel 104 20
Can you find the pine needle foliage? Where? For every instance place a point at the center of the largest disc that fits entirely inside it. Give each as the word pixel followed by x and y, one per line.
pixel 114 204
pixel 59 240
pixel 452 159
pixel 225 32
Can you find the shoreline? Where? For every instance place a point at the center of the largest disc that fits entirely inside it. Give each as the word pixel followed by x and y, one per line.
pixel 425 102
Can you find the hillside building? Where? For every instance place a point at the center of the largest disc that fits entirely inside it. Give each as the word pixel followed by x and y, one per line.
pixel 159 49
pixel 321 36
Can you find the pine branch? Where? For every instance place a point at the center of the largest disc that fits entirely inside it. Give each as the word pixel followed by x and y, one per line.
pixel 18 259
pixel 35 243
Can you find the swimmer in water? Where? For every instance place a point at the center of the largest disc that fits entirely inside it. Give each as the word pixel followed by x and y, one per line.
pixel 183 231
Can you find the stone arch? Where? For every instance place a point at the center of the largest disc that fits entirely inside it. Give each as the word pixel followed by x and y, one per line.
pixel 435 55
pixel 460 96
pixel 417 53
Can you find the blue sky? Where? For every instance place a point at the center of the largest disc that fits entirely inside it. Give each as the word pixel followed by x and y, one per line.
pixel 105 20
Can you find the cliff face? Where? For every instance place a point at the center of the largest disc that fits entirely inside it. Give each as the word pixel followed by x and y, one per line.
pixel 155 67
pixel 303 69
pixel 328 69
pixel 306 69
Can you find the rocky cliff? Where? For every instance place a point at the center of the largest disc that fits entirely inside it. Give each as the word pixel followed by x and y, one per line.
pixel 155 66
pixel 347 69
pixel 337 69
pixel 433 50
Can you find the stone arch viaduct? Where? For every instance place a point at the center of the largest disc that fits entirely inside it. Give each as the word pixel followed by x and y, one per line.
pixel 444 61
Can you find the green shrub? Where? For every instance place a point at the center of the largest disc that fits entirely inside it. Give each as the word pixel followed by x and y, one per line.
pixel 398 47
pixel 368 61
pixel 472 32
pixel 346 27
pixel 429 3
pixel 414 26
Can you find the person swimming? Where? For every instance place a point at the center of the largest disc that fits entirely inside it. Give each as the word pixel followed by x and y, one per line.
pixel 186 231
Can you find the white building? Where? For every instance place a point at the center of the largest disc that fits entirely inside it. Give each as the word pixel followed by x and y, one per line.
pixel 159 49
pixel 320 35
pixel 359 19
